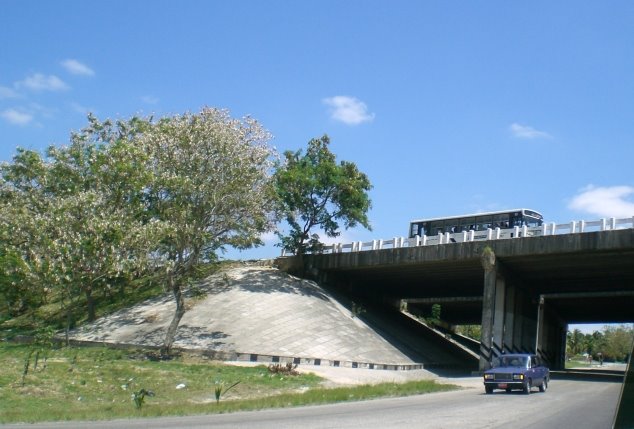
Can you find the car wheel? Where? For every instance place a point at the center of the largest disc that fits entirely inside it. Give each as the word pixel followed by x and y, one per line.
pixel 527 386
pixel 544 385
pixel 488 389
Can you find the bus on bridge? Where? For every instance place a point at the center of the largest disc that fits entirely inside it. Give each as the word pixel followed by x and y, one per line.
pixel 470 227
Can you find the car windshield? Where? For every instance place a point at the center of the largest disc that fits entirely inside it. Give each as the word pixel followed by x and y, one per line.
pixel 510 361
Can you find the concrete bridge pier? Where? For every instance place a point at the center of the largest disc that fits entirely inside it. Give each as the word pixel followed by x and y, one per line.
pixel 550 342
pixel 509 314
pixel 492 306
pixel 514 320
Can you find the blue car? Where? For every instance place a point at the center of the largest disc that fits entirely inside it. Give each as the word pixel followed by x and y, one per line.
pixel 517 372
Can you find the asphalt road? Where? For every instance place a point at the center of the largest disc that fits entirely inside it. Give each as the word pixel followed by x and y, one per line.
pixel 566 404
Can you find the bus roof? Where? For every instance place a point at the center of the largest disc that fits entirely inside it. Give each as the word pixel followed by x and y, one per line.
pixel 474 215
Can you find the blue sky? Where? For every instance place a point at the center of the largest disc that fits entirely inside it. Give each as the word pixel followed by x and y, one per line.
pixel 448 107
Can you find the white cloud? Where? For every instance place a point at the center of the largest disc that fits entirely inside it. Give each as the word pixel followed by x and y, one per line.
pixel 349 110
pixel 75 67
pixel 16 117
pixel 80 108
pixel 40 82
pixel 525 132
pixel 609 201
pixel 149 99
pixel 8 93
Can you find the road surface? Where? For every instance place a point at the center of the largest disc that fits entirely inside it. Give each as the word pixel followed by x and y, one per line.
pixel 566 404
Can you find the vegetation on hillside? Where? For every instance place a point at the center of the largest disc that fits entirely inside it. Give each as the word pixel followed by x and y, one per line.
pixel 131 204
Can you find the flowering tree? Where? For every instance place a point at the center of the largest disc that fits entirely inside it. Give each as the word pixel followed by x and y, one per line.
pixel 77 216
pixel 316 192
pixel 211 188
pixel 19 201
pixel 125 196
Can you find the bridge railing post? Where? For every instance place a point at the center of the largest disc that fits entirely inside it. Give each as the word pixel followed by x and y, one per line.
pixel 489 234
pixel 440 238
pixel 424 243
pixel 582 226
pixel 516 232
pixel 471 235
pixel 603 224
pixel 524 230
pixel 573 227
pixel 612 223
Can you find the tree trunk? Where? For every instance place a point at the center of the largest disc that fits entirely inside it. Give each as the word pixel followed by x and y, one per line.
pixel 178 315
pixel 90 303
pixel 68 323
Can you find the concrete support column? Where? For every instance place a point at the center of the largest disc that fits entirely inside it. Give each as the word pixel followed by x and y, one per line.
pixel 510 317
pixel 492 310
pixel 550 342
pixel 539 337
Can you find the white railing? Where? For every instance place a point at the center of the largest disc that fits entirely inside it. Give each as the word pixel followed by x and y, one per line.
pixel 575 227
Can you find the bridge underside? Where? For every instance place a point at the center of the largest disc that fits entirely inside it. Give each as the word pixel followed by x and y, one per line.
pixel 524 298
pixel 595 288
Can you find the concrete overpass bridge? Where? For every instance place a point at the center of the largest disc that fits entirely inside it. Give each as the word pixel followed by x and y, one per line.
pixel 522 291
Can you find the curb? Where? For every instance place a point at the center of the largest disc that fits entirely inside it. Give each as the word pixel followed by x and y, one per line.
pixel 243 357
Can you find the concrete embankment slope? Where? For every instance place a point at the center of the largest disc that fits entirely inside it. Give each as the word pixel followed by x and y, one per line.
pixel 257 312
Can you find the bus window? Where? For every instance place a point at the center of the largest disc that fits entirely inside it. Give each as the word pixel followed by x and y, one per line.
pixel 425 229
pixel 436 227
pixel 532 222
pixel 413 230
pixel 501 221
pixel 484 222
pixel 516 220
pixel 468 223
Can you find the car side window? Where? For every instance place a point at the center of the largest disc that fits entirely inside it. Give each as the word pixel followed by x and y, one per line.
pixel 534 362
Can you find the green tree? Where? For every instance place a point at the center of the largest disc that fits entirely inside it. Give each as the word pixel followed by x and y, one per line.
pixel 618 342
pixel 79 221
pixel 20 204
pixel 132 195
pixel 471 331
pixel 211 188
pixel 576 342
pixel 316 192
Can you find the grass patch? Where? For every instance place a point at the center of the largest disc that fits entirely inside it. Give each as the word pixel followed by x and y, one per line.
pixel 99 384
pixel 578 364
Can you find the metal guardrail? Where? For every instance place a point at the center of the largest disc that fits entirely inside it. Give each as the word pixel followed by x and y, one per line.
pixel 574 227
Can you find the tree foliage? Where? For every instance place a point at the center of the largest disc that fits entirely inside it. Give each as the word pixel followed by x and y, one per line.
pixel 211 188
pixel 613 343
pixel 77 219
pixel 316 192
pixel 130 196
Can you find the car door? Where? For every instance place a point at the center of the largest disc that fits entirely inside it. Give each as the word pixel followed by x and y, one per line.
pixel 538 369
